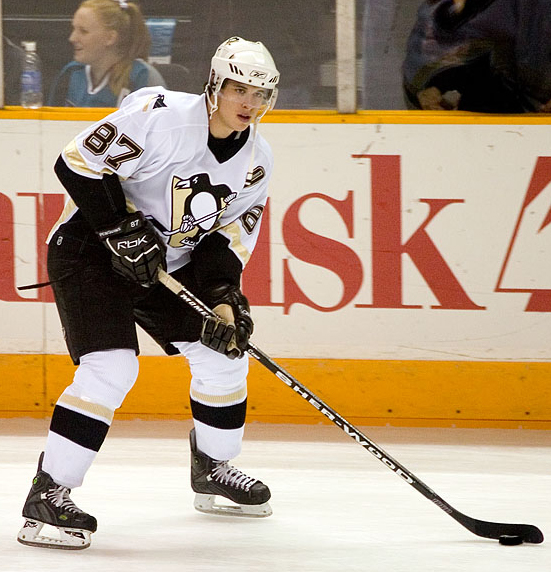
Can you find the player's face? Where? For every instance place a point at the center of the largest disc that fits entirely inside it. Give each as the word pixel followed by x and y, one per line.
pixel 238 106
pixel 91 40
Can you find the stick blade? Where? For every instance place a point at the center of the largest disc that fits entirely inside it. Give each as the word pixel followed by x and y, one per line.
pixel 528 532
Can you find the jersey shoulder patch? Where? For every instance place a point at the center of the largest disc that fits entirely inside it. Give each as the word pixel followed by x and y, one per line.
pixel 159 101
pixel 142 99
pixel 154 101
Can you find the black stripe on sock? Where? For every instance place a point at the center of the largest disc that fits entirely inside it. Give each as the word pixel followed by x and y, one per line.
pixel 78 428
pixel 231 417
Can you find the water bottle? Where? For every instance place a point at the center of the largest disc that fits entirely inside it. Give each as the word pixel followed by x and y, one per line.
pixel 31 78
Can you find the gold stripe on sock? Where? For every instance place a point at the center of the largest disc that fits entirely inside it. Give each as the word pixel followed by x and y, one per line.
pixel 87 406
pixel 236 396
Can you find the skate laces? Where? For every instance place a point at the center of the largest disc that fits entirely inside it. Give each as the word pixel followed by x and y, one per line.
pixel 228 475
pixel 61 499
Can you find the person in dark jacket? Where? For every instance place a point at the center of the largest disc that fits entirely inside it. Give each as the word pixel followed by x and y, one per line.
pixel 492 56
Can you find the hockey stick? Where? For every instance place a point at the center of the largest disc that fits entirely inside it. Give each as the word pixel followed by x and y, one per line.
pixel 486 529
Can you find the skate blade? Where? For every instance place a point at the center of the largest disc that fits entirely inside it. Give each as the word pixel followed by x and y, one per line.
pixel 68 539
pixel 208 505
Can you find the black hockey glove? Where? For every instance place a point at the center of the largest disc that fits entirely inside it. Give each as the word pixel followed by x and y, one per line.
pixel 137 251
pixel 230 332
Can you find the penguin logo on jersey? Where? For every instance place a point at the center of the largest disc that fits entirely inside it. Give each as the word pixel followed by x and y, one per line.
pixel 196 207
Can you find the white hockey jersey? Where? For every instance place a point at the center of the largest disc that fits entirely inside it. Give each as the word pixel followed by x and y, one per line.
pixel 157 145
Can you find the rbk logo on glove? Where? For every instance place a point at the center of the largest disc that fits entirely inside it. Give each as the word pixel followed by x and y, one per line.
pixel 138 252
pixel 127 244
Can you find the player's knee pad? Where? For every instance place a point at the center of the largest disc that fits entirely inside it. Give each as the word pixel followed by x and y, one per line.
pixel 105 377
pixel 214 370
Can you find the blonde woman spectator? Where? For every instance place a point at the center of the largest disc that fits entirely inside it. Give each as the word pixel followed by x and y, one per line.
pixel 111 43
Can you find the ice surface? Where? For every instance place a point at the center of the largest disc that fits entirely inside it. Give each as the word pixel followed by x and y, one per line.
pixel 336 507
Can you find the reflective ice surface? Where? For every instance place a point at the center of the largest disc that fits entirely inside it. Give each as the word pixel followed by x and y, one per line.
pixel 336 507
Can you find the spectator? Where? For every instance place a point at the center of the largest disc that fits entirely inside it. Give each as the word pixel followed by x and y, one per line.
pixel 111 43
pixel 491 56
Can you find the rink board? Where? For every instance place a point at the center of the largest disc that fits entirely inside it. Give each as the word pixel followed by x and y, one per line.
pixel 413 247
pixel 390 392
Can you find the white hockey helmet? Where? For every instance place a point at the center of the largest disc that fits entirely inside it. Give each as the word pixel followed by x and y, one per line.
pixel 246 62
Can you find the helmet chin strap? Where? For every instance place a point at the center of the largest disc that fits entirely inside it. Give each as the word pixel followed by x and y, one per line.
pixel 249 176
pixel 213 104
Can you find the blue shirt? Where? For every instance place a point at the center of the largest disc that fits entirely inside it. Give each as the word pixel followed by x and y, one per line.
pixel 73 86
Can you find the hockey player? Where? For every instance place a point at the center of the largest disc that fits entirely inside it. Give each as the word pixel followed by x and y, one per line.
pixel 170 181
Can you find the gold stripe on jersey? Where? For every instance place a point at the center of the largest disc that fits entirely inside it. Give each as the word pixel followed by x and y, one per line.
pixel 77 163
pixel 149 101
pixel 235 397
pixel 87 406
pixel 234 232
pixel 67 211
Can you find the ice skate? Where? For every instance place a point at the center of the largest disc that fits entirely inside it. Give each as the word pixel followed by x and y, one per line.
pixel 210 478
pixel 49 504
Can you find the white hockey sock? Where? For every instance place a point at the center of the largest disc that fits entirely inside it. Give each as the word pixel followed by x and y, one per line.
pixel 84 412
pixel 65 461
pixel 218 444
